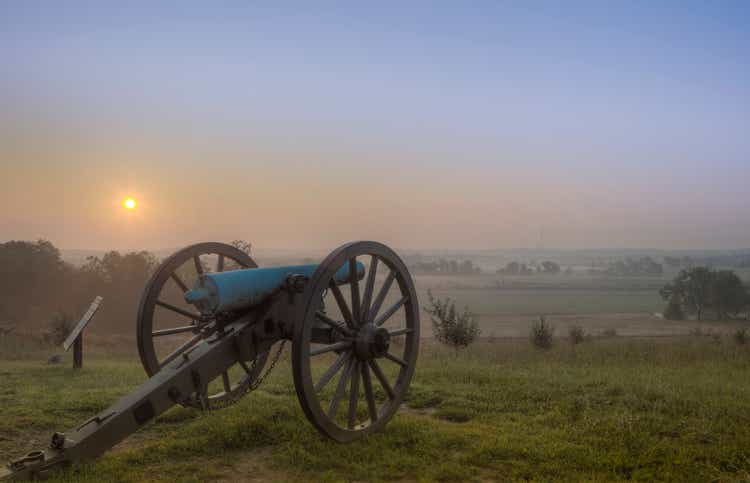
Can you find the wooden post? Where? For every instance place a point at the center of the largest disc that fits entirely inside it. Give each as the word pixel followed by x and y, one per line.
pixel 78 352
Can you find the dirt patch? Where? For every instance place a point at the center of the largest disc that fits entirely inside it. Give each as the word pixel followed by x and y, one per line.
pixel 251 466
pixel 404 409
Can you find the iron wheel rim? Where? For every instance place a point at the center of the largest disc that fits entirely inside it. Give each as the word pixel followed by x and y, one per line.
pixel 305 385
pixel 146 313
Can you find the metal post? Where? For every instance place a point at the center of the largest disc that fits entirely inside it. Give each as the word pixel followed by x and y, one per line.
pixel 78 352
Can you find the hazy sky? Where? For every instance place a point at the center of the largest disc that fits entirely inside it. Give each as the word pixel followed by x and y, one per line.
pixel 427 125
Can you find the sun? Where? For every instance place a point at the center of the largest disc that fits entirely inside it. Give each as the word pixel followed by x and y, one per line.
pixel 129 204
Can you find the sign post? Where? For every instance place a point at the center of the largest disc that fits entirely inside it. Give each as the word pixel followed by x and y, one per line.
pixel 75 338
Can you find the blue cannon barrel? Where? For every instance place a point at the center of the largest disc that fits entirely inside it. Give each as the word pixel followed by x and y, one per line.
pixel 241 289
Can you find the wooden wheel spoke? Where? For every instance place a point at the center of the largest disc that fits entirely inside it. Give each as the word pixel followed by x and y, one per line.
pixel 354 286
pixel 330 348
pixel 341 302
pixel 381 295
pixel 369 286
pixel 158 344
pixel 340 389
pixel 173 330
pixel 354 395
pixel 198 264
pixel 369 396
pixel 391 310
pixel 395 359
pixel 397 332
pixel 190 315
pixel 225 381
pixel 332 323
pixel 187 345
pixel 338 392
pixel 332 371
pixel 179 282
pixel 381 377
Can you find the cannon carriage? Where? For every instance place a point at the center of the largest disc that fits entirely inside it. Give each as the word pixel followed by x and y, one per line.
pixel 211 324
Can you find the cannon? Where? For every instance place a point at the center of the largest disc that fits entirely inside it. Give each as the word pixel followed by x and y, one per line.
pixel 209 319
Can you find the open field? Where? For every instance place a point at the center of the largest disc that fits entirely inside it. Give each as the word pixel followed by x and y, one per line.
pixel 608 409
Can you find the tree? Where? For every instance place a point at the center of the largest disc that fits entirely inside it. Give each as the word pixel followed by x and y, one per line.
pixel 674 309
pixel 631 267
pixel 692 289
pixel 515 268
pixel 550 267
pixel 243 245
pixel 34 280
pixel 728 294
pixel 696 289
pixel 120 280
pixel 450 327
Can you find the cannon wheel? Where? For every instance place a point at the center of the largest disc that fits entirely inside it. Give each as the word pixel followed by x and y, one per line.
pixel 357 344
pixel 193 259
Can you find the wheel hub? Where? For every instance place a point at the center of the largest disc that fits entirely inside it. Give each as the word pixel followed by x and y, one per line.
pixel 371 342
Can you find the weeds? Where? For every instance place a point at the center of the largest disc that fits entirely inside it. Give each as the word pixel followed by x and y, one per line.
pixel 576 334
pixel 542 333
pixel 741 336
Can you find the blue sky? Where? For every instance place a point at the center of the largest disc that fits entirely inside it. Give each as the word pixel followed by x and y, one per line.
pixel 600 123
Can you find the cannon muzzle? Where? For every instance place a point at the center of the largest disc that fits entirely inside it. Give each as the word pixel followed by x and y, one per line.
pixel 242 289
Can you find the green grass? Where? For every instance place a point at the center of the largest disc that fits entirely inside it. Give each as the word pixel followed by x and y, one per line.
pixel 608 409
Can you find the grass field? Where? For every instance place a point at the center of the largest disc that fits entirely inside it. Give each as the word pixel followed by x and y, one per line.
pixel 608 409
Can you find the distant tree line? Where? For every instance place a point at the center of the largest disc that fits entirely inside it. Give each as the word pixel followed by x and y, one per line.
pixel 696 290
pixel 634 267
pixel 679 262
pixel 443 266
pixel 37 286
pixel 739 259
pixel 517 268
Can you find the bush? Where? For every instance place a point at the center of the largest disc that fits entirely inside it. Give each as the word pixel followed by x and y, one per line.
pixel 541 333
pixel 741 336
pixel 576 334
pixel 450 327
pixel 611 332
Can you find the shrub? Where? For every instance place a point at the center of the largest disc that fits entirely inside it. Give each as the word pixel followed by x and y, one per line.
pixel 576 334
pixel 541 333
pixel 741 336
pixel 450 327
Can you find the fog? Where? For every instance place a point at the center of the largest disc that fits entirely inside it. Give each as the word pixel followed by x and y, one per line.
pixel 497 128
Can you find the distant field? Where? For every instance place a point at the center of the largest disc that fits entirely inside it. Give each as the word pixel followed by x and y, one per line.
pixel 668 409
pixel 552 301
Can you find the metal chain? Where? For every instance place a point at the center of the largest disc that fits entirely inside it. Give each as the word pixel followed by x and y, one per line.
pixel 252 386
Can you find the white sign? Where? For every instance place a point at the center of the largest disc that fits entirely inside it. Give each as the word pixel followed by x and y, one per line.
pixel 83 322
